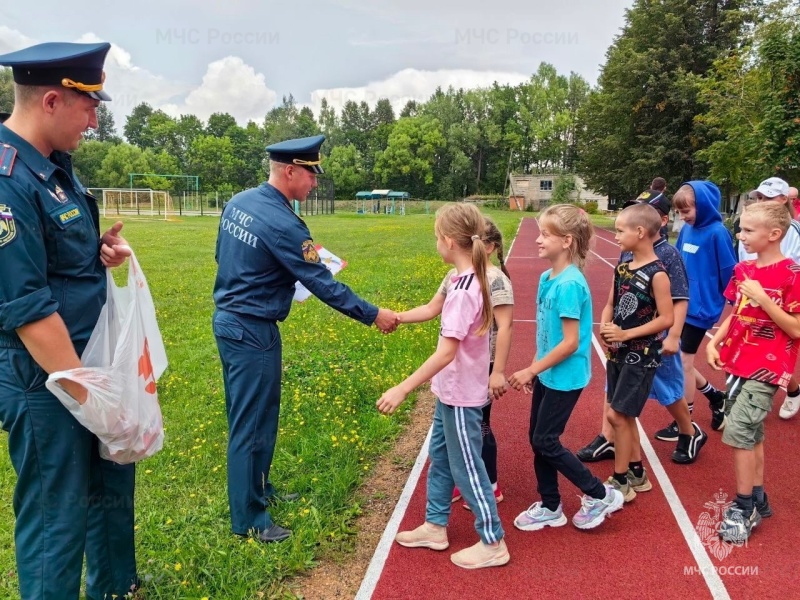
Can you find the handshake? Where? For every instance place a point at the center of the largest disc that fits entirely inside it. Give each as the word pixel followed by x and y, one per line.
pixel 387 320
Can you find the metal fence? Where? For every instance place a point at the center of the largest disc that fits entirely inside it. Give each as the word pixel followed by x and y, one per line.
pixel 184 204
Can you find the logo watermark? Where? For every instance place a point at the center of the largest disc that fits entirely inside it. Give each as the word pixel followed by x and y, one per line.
pixel 734 570
pixel 708 528
pixel 477 35
pixel 176 35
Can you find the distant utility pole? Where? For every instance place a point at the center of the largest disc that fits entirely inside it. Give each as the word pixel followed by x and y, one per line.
pixel 508 171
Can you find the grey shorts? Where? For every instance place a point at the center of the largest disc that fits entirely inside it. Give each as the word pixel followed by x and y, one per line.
pixel 748 404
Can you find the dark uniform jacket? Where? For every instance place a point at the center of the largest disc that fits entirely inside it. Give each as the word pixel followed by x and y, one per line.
pixel 263 248
pixel 49 243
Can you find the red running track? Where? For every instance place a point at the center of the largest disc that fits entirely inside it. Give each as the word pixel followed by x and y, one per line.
pixel 653 548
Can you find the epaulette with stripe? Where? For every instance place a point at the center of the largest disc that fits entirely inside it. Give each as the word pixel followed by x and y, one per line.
pixel 7 156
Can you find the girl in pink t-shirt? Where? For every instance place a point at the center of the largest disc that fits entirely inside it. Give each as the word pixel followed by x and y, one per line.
pixel 459 370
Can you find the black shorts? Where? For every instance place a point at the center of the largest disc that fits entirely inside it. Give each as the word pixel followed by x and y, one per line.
pixel 628 386
pixel 691 338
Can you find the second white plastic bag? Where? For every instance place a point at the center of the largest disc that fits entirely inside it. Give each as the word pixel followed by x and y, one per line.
pixel 122 362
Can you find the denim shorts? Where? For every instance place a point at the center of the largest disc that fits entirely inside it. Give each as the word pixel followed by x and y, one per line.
pixel 628 387
pixel 748 404
pixel 668 382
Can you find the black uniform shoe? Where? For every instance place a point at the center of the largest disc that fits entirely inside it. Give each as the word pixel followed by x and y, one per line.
pixel 689 446
pixel 276 533
pixel 599 449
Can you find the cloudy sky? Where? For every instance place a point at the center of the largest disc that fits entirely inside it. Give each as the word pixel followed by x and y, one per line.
pixel 242 56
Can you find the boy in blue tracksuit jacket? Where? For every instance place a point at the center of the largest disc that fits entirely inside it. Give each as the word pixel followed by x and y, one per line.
pixel 707 251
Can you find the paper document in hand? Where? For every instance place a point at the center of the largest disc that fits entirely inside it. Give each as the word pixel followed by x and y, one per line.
pixel 330 260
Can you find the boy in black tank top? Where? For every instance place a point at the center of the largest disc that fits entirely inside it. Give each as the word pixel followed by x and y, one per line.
pixel 638 311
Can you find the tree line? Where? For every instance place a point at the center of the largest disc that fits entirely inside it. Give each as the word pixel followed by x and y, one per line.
pixel 689 89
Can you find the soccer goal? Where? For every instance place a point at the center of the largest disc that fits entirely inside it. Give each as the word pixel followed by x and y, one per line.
pixel 144 202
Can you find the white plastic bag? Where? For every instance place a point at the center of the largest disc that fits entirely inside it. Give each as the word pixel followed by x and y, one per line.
pixel 123 360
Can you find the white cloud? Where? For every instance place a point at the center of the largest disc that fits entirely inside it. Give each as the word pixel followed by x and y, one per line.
pixel 229 85
pixel 129 85
pixel 233 86
pixel 412 84
pixel 12 40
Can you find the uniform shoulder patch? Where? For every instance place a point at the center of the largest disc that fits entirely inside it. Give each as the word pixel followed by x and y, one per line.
pixel 310 251
pixel 8 228
pixel 7 156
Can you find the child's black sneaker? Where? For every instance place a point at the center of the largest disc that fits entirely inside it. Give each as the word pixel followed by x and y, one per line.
pixel 763 508
pixel 599 449
pixel 689 446
pixel 669 433
pixel 716 401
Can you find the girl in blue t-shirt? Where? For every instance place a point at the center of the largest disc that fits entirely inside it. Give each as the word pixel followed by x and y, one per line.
pixel 560 371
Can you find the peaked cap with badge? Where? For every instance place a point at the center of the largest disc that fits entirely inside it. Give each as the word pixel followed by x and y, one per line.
pixel 303 152
pixel 75 66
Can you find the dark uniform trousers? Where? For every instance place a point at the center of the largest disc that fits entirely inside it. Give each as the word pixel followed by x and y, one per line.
pixel 250 350
pixel 66 495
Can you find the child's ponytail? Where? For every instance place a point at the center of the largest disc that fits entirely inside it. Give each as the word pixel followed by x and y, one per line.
pixel 479 259
pixel 494 237
pixel 465 225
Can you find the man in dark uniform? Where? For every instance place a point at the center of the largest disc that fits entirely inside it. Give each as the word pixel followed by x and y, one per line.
pixel 67 501
pixel 263 248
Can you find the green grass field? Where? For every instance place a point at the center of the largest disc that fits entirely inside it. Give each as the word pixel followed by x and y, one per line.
pixel 330 434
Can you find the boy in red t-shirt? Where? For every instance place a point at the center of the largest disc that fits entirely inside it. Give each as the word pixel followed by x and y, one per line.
pixel 759 350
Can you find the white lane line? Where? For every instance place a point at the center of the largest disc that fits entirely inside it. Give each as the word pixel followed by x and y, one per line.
pixel 613 266
pixel 516 233
pixel 605 239
pixel 713 580
pixel 375 568
pixel 381 553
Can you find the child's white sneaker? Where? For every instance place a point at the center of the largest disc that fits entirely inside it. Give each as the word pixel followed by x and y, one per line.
pixel 538 517
pixel 594 511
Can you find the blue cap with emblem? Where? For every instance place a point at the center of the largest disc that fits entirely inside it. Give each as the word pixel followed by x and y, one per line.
pixel 654 198
pixel 302 151
pixel 75 66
